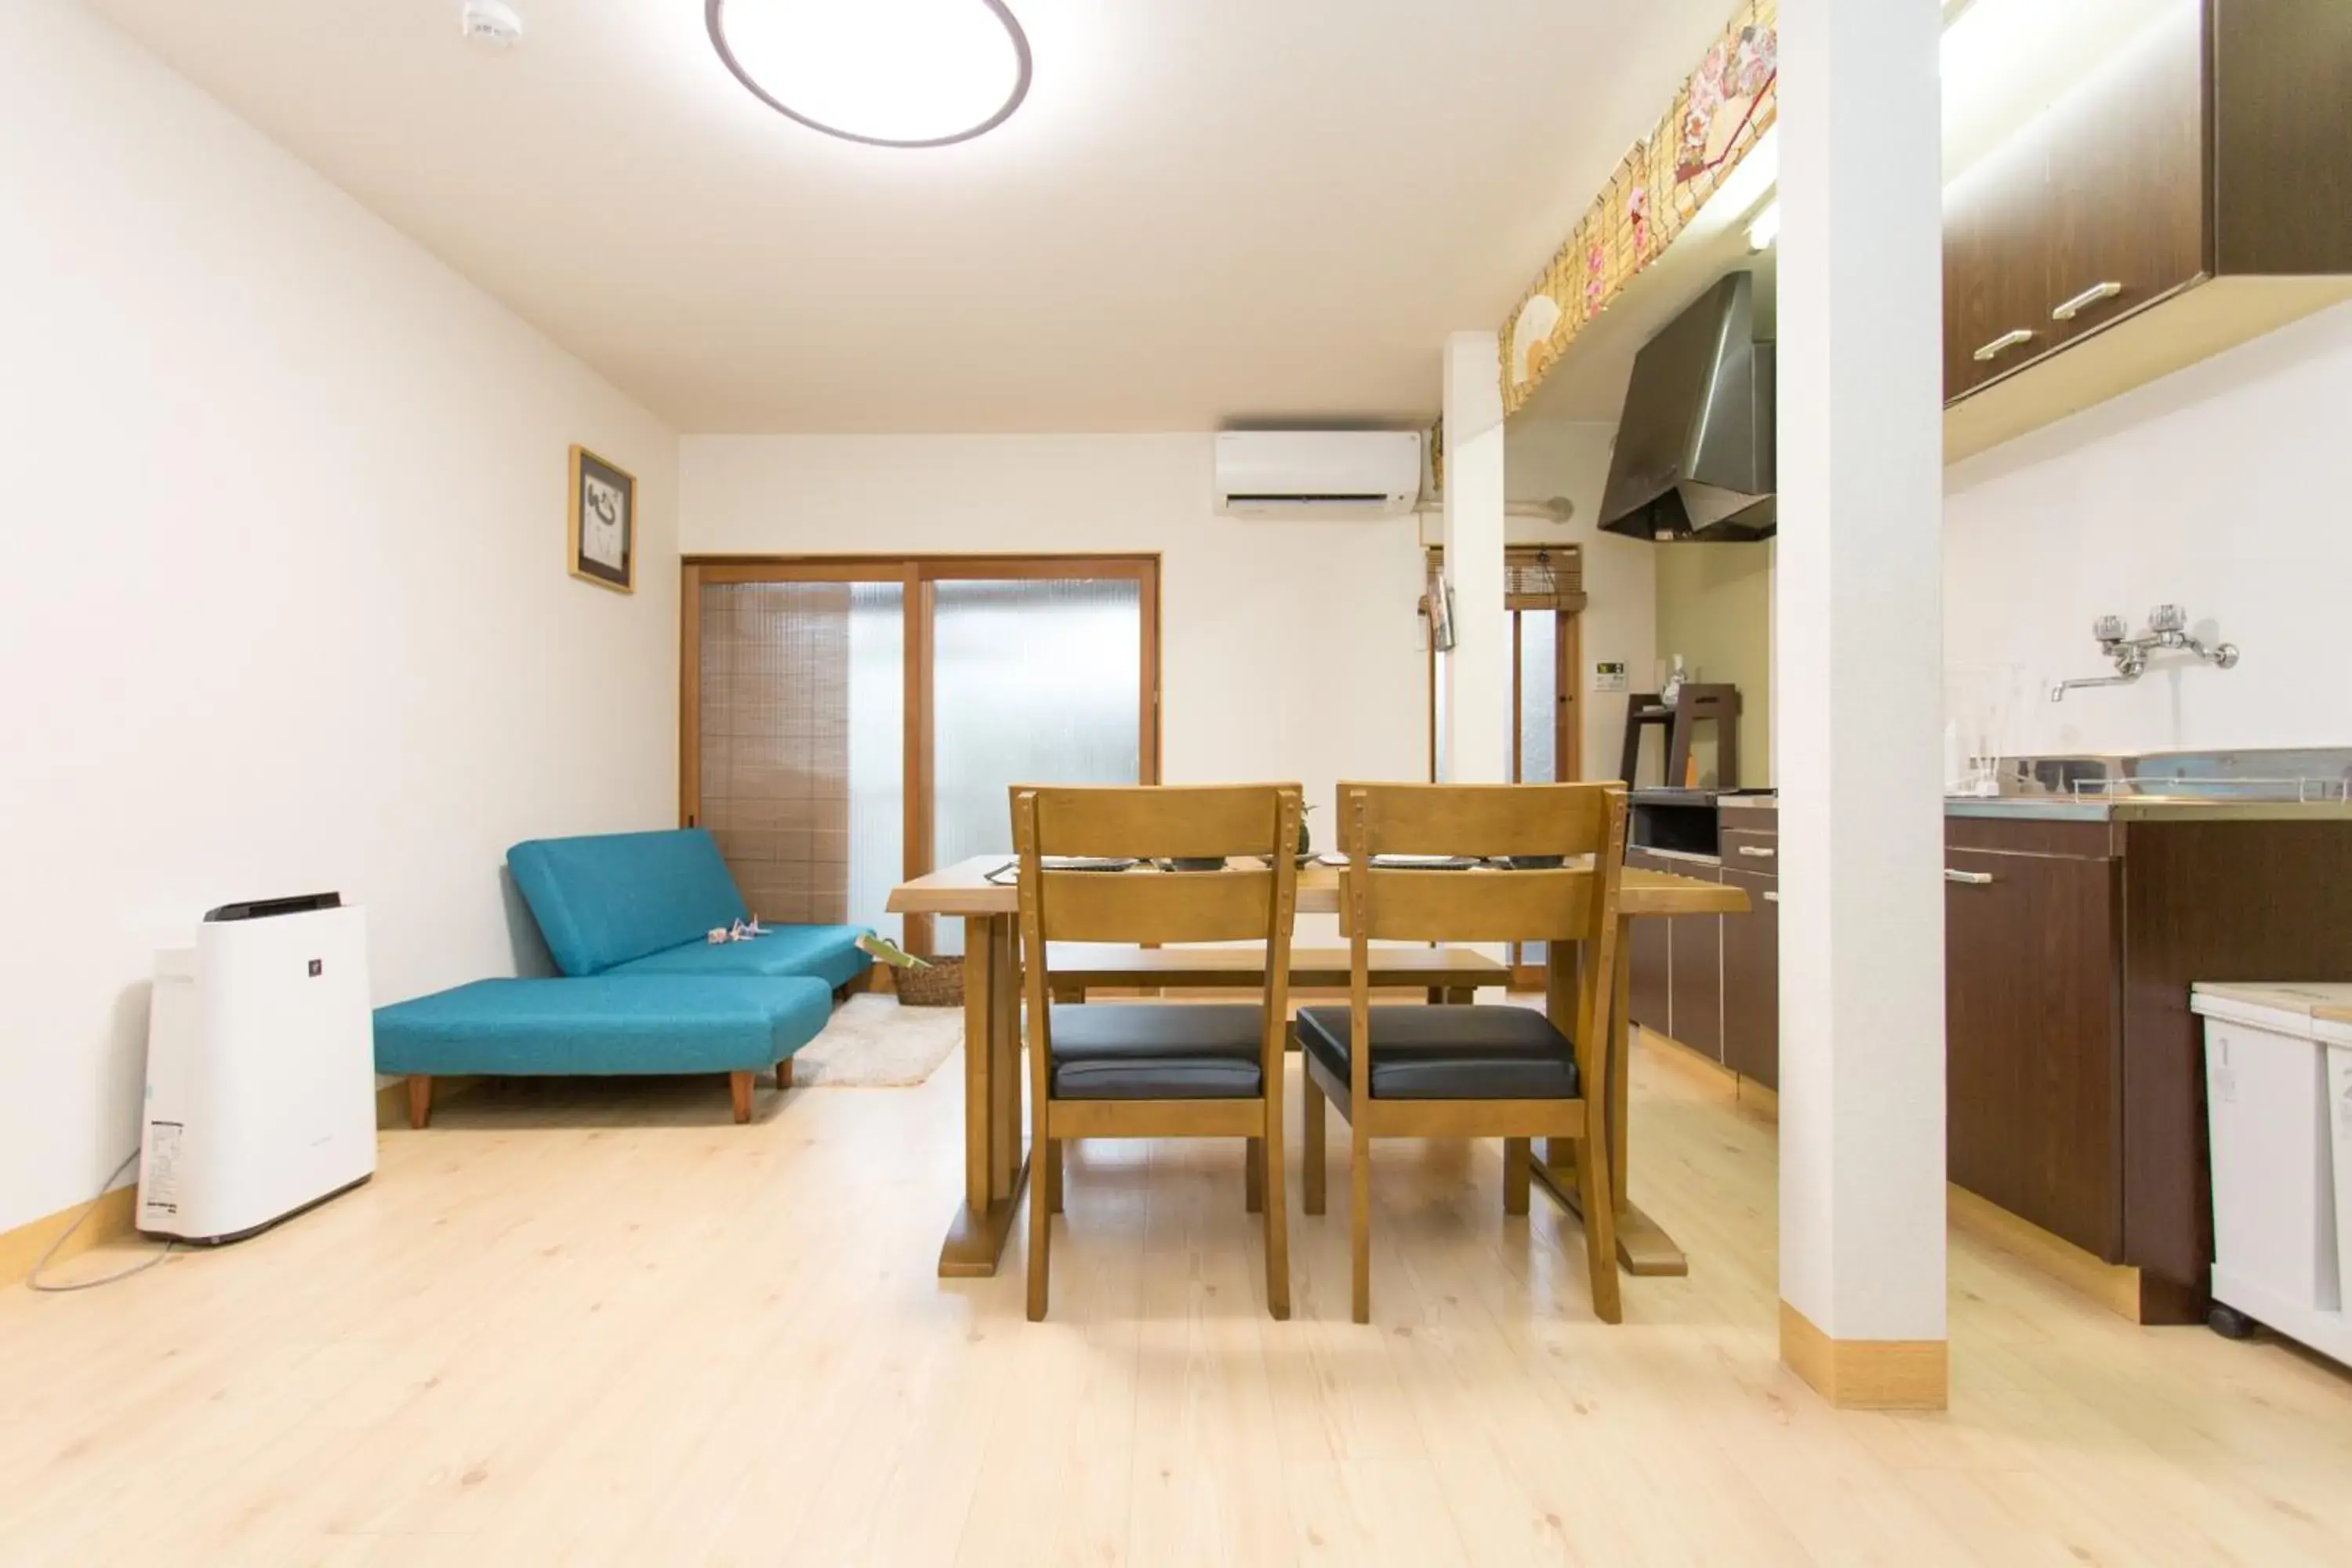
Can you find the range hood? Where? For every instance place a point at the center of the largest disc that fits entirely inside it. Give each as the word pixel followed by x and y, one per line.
pixel 1694 456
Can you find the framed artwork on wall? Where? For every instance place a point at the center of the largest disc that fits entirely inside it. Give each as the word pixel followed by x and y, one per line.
pixel 603 523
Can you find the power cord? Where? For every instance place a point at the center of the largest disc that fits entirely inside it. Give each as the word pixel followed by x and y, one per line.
pixel 33 1281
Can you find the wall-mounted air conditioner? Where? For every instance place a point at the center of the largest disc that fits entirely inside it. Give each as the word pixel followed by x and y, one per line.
pixel 1317 473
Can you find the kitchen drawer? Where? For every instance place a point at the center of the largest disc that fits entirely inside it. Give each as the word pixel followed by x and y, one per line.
pixel 1744 849
pixel 2028 835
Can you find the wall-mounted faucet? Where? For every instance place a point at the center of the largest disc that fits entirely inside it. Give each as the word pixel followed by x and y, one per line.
pixel 2167 630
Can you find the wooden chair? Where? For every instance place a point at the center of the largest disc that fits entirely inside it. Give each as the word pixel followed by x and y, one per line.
pixel 1474 1072
pixel 1157 1069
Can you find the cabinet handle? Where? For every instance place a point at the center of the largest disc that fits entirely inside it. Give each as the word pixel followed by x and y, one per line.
pixel 2091 296
pixel 1772 898
pixel 1973 879
pixel 1757 851
pixel 2002 345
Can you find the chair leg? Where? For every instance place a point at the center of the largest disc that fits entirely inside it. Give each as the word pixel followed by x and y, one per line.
pixel 1600 1229
pixel 1254 1176
pixel 1277 1199
pixel 739 1085
pixel 420 1100
pixel 1310 1155
pixel 1360 1248
pixel 1516 1157
pixel 784 1075
pixel 1054 1175
pixel 1041 1224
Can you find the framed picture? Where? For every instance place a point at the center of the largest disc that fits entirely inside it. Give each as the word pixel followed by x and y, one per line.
pixel 603 523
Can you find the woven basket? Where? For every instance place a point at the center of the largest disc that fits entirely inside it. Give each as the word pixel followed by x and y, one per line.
pixel 940 986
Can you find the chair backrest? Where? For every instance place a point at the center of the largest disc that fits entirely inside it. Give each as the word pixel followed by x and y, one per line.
pixel 1253 828
pixel 608 897
pixel 1580 829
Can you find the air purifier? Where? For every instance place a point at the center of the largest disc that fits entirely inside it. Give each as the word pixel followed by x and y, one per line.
pixel 260 1097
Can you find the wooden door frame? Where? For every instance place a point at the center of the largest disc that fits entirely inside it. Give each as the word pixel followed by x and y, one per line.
pixel 920 576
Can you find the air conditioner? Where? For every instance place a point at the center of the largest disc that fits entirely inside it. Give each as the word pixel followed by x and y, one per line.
pixel 1318 473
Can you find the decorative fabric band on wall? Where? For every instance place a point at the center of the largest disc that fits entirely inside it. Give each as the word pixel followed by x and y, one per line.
pixel 1721 112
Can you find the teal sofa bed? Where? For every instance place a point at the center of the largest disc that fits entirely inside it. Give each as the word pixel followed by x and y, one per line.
pixel 644 990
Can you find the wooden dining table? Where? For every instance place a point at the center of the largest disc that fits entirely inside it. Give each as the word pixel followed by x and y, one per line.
pixel 996 1165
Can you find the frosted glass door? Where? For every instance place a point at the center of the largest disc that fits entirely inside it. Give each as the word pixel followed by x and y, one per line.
pixel 1538 697
pixel 1538 752
pixel 1034 681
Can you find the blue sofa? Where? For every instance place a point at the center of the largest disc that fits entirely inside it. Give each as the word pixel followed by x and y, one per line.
pixel 626 918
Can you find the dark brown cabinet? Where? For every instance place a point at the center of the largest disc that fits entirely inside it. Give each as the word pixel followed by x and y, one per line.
pixel 2032 1034
pixel 1675 966
pixel 1698 973
pixel 1996 276
pixel 2126 221
pixel 1751 979
pixel 2192 191
pixel 1649 999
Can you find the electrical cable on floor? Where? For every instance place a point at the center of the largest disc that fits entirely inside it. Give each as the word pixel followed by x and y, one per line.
pixel 33 1281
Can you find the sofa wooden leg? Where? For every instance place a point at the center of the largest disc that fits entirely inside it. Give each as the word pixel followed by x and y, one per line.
pixel 784 1074
pixel 740 1085
pixel 420 1100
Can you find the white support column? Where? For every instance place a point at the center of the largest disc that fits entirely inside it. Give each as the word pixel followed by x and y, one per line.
pixel 1476 745
pixel 1858 698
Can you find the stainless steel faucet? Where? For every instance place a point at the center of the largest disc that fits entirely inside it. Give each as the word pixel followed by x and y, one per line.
pixel 2167 631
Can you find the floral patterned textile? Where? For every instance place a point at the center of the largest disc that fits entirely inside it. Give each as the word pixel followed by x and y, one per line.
pixel 1717 117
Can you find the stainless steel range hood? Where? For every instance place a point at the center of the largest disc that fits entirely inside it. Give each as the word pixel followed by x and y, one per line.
pixel 1694 459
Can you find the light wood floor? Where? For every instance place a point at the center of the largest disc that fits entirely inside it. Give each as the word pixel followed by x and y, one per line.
pixel 591 1326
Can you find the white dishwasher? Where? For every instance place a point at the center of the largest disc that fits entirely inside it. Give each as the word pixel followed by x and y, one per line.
pixel 2279 1113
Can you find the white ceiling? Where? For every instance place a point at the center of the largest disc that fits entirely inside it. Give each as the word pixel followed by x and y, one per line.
pixel 1208 210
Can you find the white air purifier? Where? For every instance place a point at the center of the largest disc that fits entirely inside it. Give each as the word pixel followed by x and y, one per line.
pixel 260 1070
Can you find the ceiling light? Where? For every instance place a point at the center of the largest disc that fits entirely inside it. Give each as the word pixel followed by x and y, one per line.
pixel 1765 228
pixel 890 73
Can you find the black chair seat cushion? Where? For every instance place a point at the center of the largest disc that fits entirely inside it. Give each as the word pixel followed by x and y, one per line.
pixel 1450 1053
pixel 1156 1051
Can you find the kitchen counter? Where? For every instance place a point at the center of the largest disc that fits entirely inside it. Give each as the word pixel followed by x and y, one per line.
pixel 2144 808
pixel 2079 911
pixel 2151 807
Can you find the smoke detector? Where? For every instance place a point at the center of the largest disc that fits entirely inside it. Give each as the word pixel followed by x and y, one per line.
pixel 489 24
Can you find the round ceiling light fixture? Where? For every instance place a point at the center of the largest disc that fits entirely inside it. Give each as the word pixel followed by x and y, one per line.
pixel 889 73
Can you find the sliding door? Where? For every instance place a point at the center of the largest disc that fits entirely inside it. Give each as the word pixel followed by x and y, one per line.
pixel 1034 681
pixel 847 724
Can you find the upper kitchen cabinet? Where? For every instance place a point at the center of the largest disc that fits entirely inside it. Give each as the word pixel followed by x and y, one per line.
pixel 2192 191
pixel 1996 266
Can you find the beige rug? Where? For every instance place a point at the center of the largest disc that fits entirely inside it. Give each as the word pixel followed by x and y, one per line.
pixel 873 1043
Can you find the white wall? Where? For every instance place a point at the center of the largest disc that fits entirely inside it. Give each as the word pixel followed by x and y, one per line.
pixel 284 605
pixel 1570 459
pixel 1288 649
pixel 2221 487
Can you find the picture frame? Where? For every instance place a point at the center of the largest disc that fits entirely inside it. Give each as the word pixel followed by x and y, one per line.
pixel 603 549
